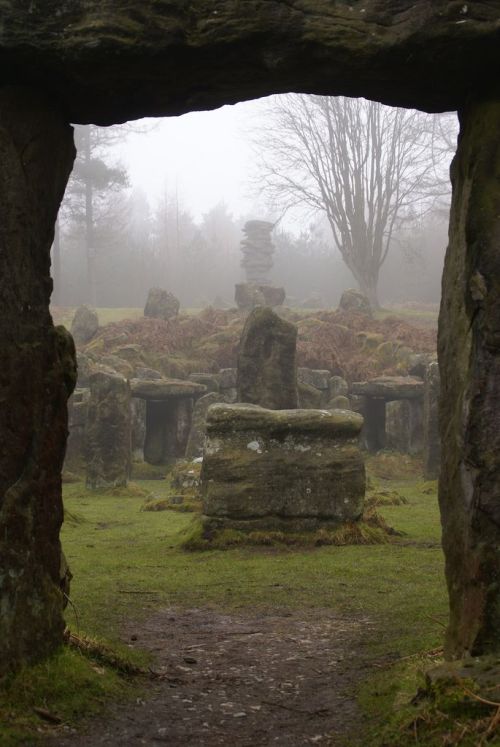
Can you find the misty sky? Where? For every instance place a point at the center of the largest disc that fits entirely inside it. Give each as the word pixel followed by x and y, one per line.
pixel 205 155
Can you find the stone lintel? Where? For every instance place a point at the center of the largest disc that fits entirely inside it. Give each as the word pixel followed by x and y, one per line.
pixel 246 417
pixel 161 389
pixel 390 388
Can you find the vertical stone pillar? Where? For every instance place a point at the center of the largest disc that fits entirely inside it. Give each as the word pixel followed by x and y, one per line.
pixel 108 431
pixel 469 361
pixel 37 375
pixel 432 441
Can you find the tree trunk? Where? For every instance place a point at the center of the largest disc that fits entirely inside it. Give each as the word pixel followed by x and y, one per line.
pixel 469 360
pixel 36 376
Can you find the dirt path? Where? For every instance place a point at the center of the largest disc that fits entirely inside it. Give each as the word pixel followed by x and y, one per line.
pixel 240 680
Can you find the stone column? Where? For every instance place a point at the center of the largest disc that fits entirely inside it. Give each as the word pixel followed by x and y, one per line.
pixel 374 424
pixel 432 441
pixel 469 361
pixel 108 431
pixel 37 375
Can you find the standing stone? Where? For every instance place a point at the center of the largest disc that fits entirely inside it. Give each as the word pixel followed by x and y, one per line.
pixel 469 365
pixel 432 440
pixel 267 368
pixel 337 386
pixel 199 424
pixel 161 305
pixel 397 426
pixel 108 435
pixel 37 375
pixel 84 325
pixel 292 470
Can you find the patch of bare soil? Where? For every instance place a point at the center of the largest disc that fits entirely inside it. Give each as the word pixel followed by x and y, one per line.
pixel 240 680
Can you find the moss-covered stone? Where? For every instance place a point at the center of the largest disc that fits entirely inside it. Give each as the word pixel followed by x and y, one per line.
pixel 37 375
pixel 290 464
pixel 108 432
pixel 469 361
pixel 267 367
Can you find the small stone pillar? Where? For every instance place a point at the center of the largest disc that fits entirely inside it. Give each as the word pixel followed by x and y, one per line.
pixel 108 432
pixel 36 378
pixel 267 368
pixel 432 440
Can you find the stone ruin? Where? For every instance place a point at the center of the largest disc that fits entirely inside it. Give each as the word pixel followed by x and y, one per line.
pixel 169 412
pixel 266 463
pixel 431 56
pixel 257 249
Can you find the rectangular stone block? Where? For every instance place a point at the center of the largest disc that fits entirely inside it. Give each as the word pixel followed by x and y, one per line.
pixel 273 467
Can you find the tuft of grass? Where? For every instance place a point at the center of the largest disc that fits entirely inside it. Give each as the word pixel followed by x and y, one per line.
pixel 39 701
pixel 379 498
pixel 412 703
pixel 390 465
pixel 371 530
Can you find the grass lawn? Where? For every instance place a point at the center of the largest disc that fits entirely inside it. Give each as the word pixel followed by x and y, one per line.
pixel 128 562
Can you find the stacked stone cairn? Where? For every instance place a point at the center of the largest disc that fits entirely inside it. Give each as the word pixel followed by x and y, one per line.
pixel 257 249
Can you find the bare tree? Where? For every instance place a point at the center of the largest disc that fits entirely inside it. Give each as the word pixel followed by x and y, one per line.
pixel 366 166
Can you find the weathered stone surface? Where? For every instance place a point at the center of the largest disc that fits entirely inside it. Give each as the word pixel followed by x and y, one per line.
pixel 432 439
pixel 309 398
pixel 37 375
pixel 390 388
pixel 290 464
pixel 161 304
pixel 397 425
pixel 210 381
pixel 340 402
pixel 250 295
pixel 108 431
pixel 227 378
pixel 159 389
pixel 337 386
pixel 318 378
pixel 469 363
pixel 77 419
pixel 267 369
pixel 84 366
pixel 148 373
pixel 84 325
pixel 354 300
pixel 198 426
pixel 121 366
pixel 112 62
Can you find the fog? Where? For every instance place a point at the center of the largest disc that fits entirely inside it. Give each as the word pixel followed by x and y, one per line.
pixel 163 203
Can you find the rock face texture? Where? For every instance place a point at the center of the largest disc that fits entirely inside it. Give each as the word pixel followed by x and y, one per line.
pixel 108 431
pixel 199 424
pixel 430 55
pixel 106 61
pixel 84 325
pixel 161 304
pixel 37 375
pixel 354 300
pixel 432 439
pixel 469 361
pixel 267 368
pixel 292 469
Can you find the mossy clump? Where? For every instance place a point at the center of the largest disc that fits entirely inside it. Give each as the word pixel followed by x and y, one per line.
pixel 457 704
pixel 391 465
pixel 385 498
pixel 370 530
pixel 145 471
